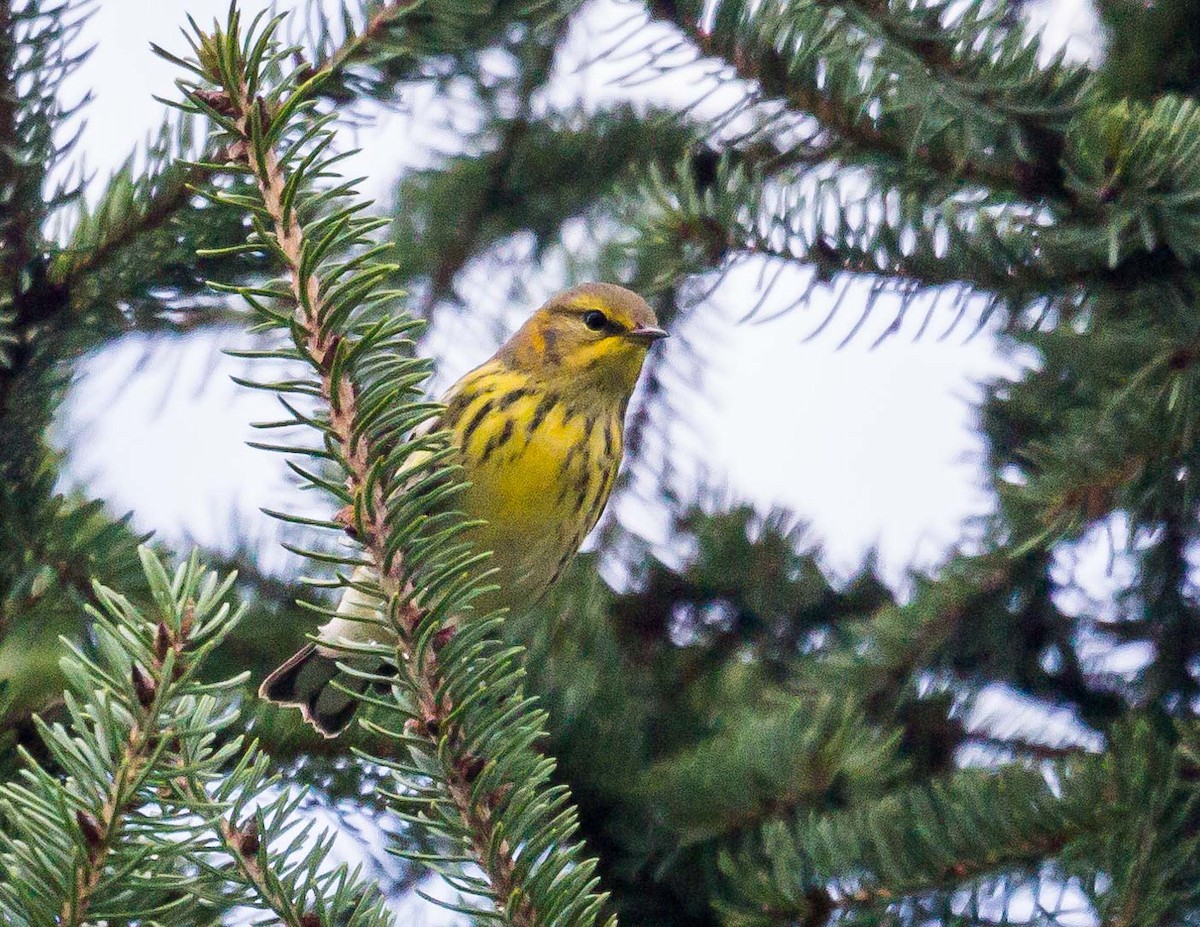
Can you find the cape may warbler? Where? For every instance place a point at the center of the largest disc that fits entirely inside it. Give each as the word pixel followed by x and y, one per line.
pixel 538 429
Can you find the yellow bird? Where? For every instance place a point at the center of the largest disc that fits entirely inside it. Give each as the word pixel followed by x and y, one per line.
pixel 539 431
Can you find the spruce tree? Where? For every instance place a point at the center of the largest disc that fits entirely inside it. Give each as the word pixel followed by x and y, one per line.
pixel 726 735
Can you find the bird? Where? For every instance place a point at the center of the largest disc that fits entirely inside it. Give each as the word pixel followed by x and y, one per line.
pixel 538 430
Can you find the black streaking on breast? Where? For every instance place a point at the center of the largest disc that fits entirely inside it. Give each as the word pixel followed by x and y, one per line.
pixel 455 409
pixel 498 440
pixel 549 401
pixel 512 397
pixel 476 420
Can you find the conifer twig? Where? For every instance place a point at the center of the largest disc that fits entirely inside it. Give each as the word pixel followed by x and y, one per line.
pixel 241 844
pixel 14 232
pixel 144 762
pixel 763 65
pixel 101 831
pixel 359 45
pixel 474 729
pixel 162 206
pixel 492 853
pixel 169 199
pixel 34 59
pixel 915 840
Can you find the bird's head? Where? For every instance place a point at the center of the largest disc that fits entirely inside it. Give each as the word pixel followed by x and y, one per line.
pixel 591 337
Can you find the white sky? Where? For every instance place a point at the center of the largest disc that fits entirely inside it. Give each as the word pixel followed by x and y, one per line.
pixel 873 447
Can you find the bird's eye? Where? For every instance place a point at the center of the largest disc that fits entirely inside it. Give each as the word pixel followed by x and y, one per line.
pixel 595 320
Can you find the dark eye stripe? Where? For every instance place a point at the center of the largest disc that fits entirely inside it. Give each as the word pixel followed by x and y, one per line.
pixel 611 325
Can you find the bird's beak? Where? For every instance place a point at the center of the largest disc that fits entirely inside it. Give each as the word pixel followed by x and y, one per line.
pixel 647 334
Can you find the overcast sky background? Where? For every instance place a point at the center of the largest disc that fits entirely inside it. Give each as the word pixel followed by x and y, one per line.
pixel 874 447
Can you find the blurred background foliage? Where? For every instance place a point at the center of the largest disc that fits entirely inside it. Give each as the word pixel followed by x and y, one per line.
pixel 749 739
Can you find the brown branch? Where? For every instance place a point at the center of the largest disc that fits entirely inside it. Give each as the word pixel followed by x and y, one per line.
pixel 828 260
pixel 242 845
pixel 864 886
pixel 1032 749
pixel 764 66
pixel 1030 852
pixel 817 905
pixel 16 248
pixel 1095 496
pixel 175 196
pixel 102 831
pixel 888 672
pixel 1020 277
pixel 358 47
pixel 171 198
pixel 162 206
pixel 493 855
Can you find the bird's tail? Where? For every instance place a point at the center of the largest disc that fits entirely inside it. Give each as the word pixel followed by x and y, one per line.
pixel 312 681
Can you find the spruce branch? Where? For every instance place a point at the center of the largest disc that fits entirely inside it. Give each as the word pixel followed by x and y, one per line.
pixel 362 45
pixel 80 849
pixel 921 839
pixel 38 50
pixel 532 175
pixel 757 61
pixel 1009 85
pixel 320 345
pixel 267 861
pixel 469 727
pixel 133 208
pixel 897 641
pixel 1104 194
pixel 142 826
pixel 809 753
pixel 1148 844
pixel 52 550
pixel 739 211
pixel 688 229
pixel 102 829
pixel 14 234
pixel 1025 748
pixel 69 570
pixel 132 236
pixel 760 45
pixel 242 845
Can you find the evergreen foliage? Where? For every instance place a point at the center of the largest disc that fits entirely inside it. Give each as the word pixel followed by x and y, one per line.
pixel 455 702
pixel 148 806
pixel 724 735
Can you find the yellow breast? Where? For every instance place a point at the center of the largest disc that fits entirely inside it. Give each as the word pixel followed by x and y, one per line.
pixel 540 466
